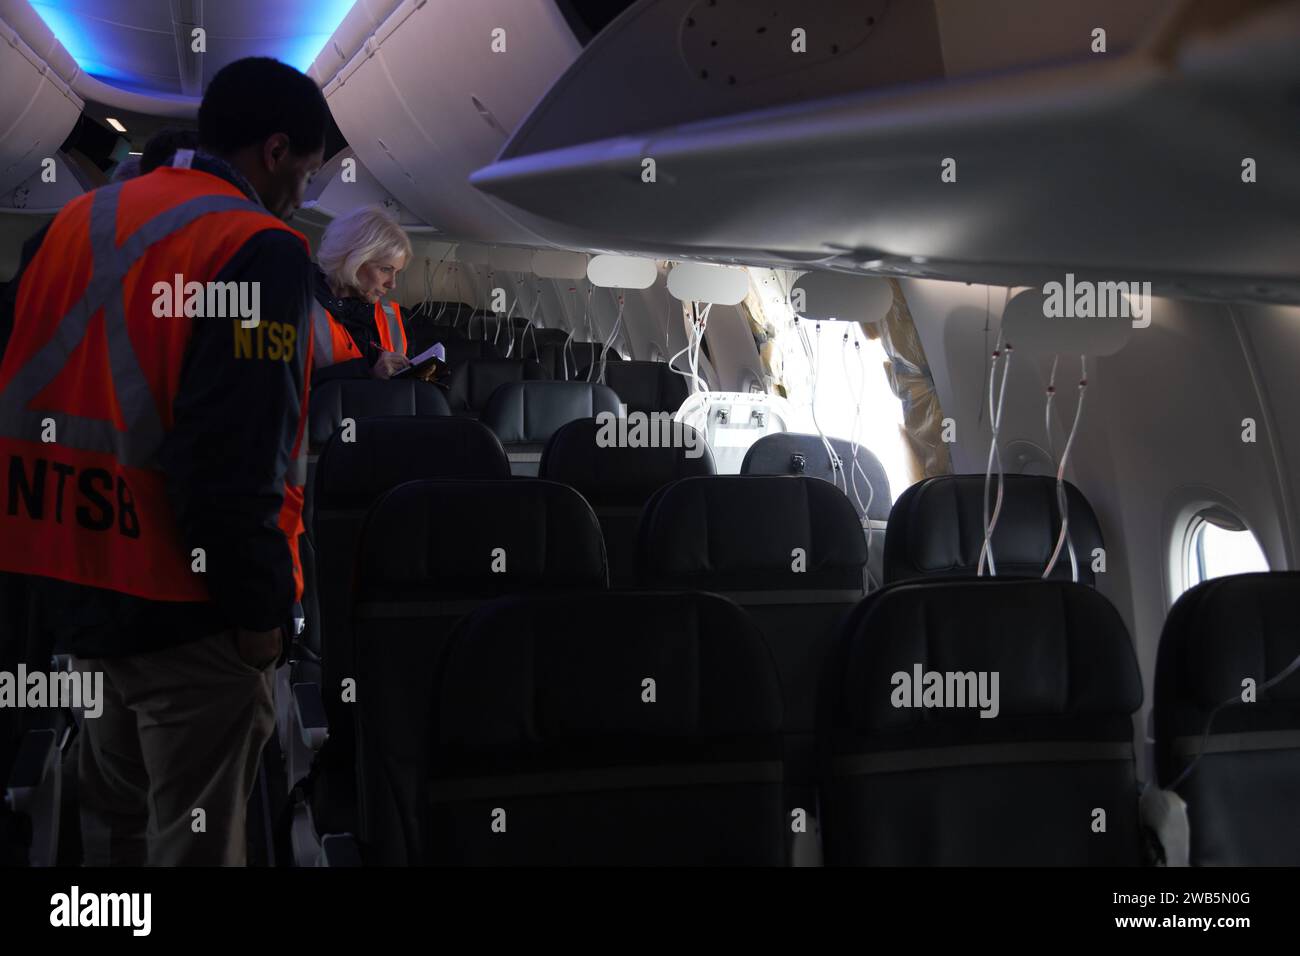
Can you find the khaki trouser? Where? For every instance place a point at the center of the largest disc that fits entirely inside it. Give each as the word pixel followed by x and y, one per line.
pixel 182 731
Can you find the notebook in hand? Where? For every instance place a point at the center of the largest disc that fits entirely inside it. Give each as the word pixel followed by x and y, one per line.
pixel 428 365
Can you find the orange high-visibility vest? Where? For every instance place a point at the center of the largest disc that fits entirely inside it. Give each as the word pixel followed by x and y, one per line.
pixel 333 342
pixel 91 373
pixel 392 331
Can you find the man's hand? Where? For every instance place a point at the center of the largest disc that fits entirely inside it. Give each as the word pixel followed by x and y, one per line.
pixel 257 649
pixel 389 364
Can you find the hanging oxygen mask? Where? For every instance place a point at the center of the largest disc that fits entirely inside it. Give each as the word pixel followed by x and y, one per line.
pixel 509 315
pixel 455 320
pixel 531 327
pixel 588 323
pixel 840 297
pixel 730 421
pixel 425 308
pixel 482 324
pixel 1003 354
pixel 856 470
pixel 1025 320
pixel 454 282
pixel 566 351
pixel 844 475
pixel 609 340
pixel 617 273
pixel 698 324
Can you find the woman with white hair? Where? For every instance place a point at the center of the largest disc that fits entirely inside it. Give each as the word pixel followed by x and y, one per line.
pixel 357 333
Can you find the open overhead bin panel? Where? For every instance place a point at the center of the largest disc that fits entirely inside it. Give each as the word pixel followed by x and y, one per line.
pixel 998 149
pixel 344 184
pixel 38 109
pixel 427 92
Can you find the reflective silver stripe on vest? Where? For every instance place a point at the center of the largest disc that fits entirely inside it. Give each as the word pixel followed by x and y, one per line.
pixel 110 263
pixel 394 325
pixel 979 755
pixel 323 347
pixel 297 474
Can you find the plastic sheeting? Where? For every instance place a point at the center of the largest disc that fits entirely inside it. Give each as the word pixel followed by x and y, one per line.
pixel 909 377
pixel 764 332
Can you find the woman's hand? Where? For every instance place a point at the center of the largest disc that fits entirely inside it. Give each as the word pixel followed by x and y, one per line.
pixel 389 364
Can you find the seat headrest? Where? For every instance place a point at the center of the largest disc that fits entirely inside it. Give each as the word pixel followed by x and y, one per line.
pixel 359 398
pixel 460 351
pixel 1217 635
pixel 736 532
pixel 473 383
pixel 387 452
pixel 586 454
pixel 472 538
pixel 497 332
pixel 558 356
pixel 581 356
pixel 533 340
pixel 790 453
pixel 524 672
pixel 1227 629
pixel 1059 649
pixel 530 412
pixel 484 326
pixel 936 529
pixel 646 387
pixel 424 325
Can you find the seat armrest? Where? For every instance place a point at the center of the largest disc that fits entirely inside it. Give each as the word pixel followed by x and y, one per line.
pixel 35 790
pixel 36 760
pixel 309 715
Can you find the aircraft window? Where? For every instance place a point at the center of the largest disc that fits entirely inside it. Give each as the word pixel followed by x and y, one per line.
pixel 1218 543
